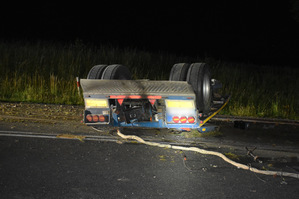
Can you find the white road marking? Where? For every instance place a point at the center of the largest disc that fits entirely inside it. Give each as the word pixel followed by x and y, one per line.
pixel 55 136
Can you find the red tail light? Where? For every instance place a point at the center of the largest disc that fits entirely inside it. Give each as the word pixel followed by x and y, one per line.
pixel 102 118
pixel 176 119
pixel 88 118
pixel 191 120
pixel 183 119
pixel 95 118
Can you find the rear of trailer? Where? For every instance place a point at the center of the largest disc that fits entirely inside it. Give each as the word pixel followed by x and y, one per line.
pixel 113 99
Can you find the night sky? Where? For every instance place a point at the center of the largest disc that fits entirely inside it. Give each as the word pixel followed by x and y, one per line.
pixel 256 31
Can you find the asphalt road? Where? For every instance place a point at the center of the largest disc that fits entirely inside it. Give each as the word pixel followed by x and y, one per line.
pixel 38 160
pixel 66 168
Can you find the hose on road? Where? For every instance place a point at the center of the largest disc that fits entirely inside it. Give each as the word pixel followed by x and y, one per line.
pixel 203 151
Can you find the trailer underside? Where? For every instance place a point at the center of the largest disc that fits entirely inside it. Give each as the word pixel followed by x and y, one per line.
pixel 145 104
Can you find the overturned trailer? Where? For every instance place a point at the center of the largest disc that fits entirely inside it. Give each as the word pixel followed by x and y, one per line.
pixel 186 101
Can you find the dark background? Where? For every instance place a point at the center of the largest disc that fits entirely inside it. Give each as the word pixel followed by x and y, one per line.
pixel 260 32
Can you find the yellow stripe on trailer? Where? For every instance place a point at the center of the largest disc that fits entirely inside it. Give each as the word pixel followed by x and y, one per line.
pixel 180 103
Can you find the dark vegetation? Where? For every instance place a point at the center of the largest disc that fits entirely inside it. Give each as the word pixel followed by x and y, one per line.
pixel 45 72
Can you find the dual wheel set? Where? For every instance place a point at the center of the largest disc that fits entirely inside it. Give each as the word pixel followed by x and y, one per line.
pixel 198 75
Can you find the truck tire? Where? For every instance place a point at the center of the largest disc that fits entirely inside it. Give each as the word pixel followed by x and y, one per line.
pixel 199 76
pixel 96 72
pixel 116 71
pixel 179 72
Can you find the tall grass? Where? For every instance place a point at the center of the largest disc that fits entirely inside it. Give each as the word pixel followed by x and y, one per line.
pixel 260 91
pixel 45 72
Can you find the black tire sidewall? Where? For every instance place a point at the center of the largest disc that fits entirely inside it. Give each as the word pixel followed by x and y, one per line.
pixel 195 77
pixel 179 72
pixel 116 71
pixel 96 72
pixel 207 98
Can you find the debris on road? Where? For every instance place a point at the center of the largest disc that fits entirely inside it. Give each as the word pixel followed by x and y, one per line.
pixel 203 151
pixel 255 157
